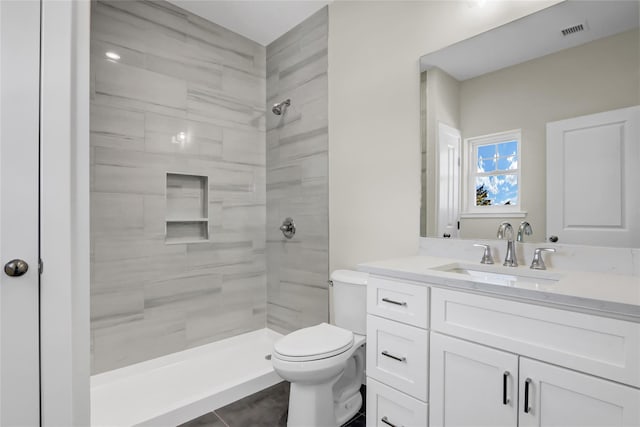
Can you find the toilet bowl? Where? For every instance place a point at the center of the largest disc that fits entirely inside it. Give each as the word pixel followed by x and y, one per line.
pixel 325 378
pixel 325 363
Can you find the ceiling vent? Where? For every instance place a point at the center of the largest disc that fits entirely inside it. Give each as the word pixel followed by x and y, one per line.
pixel 573 29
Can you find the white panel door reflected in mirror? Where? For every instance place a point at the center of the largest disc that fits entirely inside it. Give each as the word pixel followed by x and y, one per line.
pixel 592 170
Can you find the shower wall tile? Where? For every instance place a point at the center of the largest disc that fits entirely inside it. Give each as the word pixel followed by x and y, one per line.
pixel 177 73
pixel 123 81
pixel 296 177
pixel 106 209
pixel 110 247
pixel 242 146
pixel 117 128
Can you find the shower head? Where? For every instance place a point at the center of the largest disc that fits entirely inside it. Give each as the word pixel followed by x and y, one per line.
pixel 279 108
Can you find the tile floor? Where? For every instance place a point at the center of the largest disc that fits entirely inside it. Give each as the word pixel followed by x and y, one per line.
pixel 267 408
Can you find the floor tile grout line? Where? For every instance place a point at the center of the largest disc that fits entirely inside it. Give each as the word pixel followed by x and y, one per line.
pixel 220 418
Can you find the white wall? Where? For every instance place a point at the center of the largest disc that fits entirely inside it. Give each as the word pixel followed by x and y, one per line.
pixel 374 115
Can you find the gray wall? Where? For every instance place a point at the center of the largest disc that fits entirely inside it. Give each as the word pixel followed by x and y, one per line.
pixel 177 73
pixel 297 176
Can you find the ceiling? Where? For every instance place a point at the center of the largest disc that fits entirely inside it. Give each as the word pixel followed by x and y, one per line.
pixel 534 36
pixel 262 21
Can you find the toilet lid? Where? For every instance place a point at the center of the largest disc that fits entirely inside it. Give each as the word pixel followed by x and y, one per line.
pixel 316 342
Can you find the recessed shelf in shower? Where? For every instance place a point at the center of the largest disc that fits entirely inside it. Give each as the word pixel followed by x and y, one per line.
pixel 187 216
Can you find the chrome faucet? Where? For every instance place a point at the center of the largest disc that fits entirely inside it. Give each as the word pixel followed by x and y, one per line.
pixel 505 230
pixel 525 228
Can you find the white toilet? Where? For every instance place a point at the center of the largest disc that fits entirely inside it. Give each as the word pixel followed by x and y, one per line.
pixel 325 363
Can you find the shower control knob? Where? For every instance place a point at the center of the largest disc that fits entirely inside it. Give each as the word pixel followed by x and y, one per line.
pixel 288 228
pixel 16 268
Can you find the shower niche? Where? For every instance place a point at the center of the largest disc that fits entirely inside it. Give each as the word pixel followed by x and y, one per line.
pixel 187 216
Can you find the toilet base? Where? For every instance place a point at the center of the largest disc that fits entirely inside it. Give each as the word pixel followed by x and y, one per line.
pixel 346 410
pixel 311 405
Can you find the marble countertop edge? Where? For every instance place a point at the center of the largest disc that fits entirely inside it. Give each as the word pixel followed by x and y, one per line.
pixel 599 294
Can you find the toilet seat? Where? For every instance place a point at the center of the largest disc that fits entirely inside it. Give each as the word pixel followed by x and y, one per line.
pixel 313 343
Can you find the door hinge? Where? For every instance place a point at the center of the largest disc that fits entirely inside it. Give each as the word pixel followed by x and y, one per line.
pixel 40 266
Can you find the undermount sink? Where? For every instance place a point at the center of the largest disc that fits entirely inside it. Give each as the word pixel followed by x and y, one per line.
pixel 498 275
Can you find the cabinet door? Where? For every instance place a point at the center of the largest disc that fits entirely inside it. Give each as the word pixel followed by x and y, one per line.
pixel 553 396
pixel 471 385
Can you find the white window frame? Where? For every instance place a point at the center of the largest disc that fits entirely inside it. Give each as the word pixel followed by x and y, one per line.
pixel 469 173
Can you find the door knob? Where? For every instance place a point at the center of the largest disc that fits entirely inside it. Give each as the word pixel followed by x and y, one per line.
pixel 16 268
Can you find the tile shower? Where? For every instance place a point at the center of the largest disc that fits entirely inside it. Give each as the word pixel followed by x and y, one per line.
pixel 191 176
pixel 297 177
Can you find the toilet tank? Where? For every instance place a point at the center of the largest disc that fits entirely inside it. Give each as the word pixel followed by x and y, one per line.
pixel 350 300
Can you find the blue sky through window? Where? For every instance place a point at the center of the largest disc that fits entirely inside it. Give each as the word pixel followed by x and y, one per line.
pixel 497 165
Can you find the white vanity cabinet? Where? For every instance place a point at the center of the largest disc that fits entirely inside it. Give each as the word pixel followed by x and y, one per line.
pixel 546 395
pixel 397 356
pixel 555 396
pixel 491 361
pixel 397 353
pixel 474 385
pixel 604 347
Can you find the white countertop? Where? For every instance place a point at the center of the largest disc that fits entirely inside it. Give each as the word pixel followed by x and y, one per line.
pixel 599 293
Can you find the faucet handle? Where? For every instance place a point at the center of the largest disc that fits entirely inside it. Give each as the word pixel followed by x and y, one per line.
pixel 538 263
pixel 487 258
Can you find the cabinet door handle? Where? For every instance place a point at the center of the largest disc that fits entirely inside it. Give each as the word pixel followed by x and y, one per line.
pixel 387 422
pixel 391 356
pixel 390 301
pixel 527 407
pixel 505 378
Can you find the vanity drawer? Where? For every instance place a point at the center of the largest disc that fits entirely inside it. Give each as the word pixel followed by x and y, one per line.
pixel 397 355
pixel 386 407
pixel 605 347
pixel 396 300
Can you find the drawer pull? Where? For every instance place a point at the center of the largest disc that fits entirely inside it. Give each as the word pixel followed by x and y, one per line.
pixel 387 422
pixel 390 301
pixel 527 407
pixel 505 377
pixel 391 356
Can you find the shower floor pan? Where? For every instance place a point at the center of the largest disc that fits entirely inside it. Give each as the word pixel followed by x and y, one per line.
pixel 176 388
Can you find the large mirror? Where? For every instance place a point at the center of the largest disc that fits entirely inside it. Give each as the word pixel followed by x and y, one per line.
pixel 536 121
